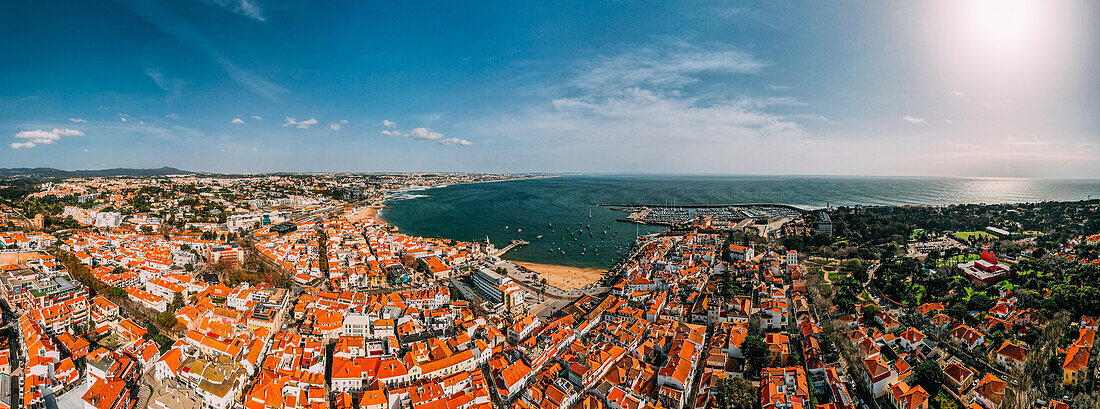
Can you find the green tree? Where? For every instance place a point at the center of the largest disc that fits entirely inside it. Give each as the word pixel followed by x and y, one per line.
pixel 979 302
pixel 929 376
pixel 756 352
pixel 869 314
pixel 167 319
pixel 735 393
pixel 177 301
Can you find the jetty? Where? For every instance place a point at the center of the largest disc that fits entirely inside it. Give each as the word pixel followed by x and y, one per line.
pixel 512 245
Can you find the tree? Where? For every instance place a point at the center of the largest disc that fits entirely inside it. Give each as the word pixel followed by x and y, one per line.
pixel 177 301
pixel 929 376
pixel 167 319
pixel 756 352
pixel 979 302
pixel 735 393
pixel 869 314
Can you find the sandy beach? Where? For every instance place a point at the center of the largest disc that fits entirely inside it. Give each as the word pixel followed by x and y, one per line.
pixel 366 212
pixel 566 278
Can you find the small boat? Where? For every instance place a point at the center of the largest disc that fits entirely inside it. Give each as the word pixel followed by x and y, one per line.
pixel 538 237
pixel 519 230
pixel 505 227
pixel 589 214
pixel 549 224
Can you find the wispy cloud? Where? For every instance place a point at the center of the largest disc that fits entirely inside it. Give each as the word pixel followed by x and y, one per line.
pixel 76 120
pixel 455 141
pixel 388 123
pixel 173 115
pixel 169 24
pixel 40 137
pixel 173 86
pixel 337 125
pixel 123 117
pixel 662 68
pixel 426 134
pixel 642 107
pixel 237 121
pixel 247 8
pixel 300 124
pixel 913 119
pixel 257 117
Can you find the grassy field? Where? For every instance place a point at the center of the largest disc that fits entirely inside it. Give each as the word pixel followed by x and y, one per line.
pixel 833 277
pixel 980 235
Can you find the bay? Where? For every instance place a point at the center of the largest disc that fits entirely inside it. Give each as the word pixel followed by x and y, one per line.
pixel 548 207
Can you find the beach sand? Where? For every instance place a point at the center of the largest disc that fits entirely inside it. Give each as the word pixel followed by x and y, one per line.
pixel 566 278
pixel 370 211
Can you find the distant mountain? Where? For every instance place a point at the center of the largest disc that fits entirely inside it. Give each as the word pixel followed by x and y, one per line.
pixel 58 173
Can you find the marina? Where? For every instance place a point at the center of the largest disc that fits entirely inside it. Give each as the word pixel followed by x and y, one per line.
pixel 674 215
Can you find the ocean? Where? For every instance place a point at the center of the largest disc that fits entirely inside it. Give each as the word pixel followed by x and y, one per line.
pixel 575 232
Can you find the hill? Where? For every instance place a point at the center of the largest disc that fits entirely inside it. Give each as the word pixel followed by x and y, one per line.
pixel 58 173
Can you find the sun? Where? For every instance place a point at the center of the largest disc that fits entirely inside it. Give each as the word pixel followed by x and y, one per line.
pixel 1003 25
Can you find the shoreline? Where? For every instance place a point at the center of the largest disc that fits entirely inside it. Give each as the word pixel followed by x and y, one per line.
pixel 564 277
pixel 388 194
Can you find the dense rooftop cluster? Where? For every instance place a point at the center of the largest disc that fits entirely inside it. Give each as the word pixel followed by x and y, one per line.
pixel 286 291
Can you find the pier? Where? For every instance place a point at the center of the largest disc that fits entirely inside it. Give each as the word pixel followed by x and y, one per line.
pixel 512 245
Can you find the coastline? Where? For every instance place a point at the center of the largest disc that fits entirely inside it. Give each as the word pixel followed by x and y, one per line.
pixel 564 277
pixel 561 276
pixel 389 194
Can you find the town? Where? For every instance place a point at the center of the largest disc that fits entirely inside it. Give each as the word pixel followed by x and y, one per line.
pixel 289 291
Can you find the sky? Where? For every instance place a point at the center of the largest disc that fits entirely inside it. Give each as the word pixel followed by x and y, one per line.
pixel 970 88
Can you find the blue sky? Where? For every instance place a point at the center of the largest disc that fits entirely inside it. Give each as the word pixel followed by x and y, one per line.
pixel 953 88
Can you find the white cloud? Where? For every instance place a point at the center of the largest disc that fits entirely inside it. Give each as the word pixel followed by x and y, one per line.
pixel 257 117
pixel 913 120
pixel 68 132
pixel 247 8
pixel 388 123
pixel 949 121
pixel 426 134
pixel 173 116
pixel 644 110
pixel 76 120
pixel 337 125
pixel 455 141
pixel 238 121
pixel 660 69
pixel 40 137
pixel 300 125
pixel 174 86
pixel 169 23
pixel 123 117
